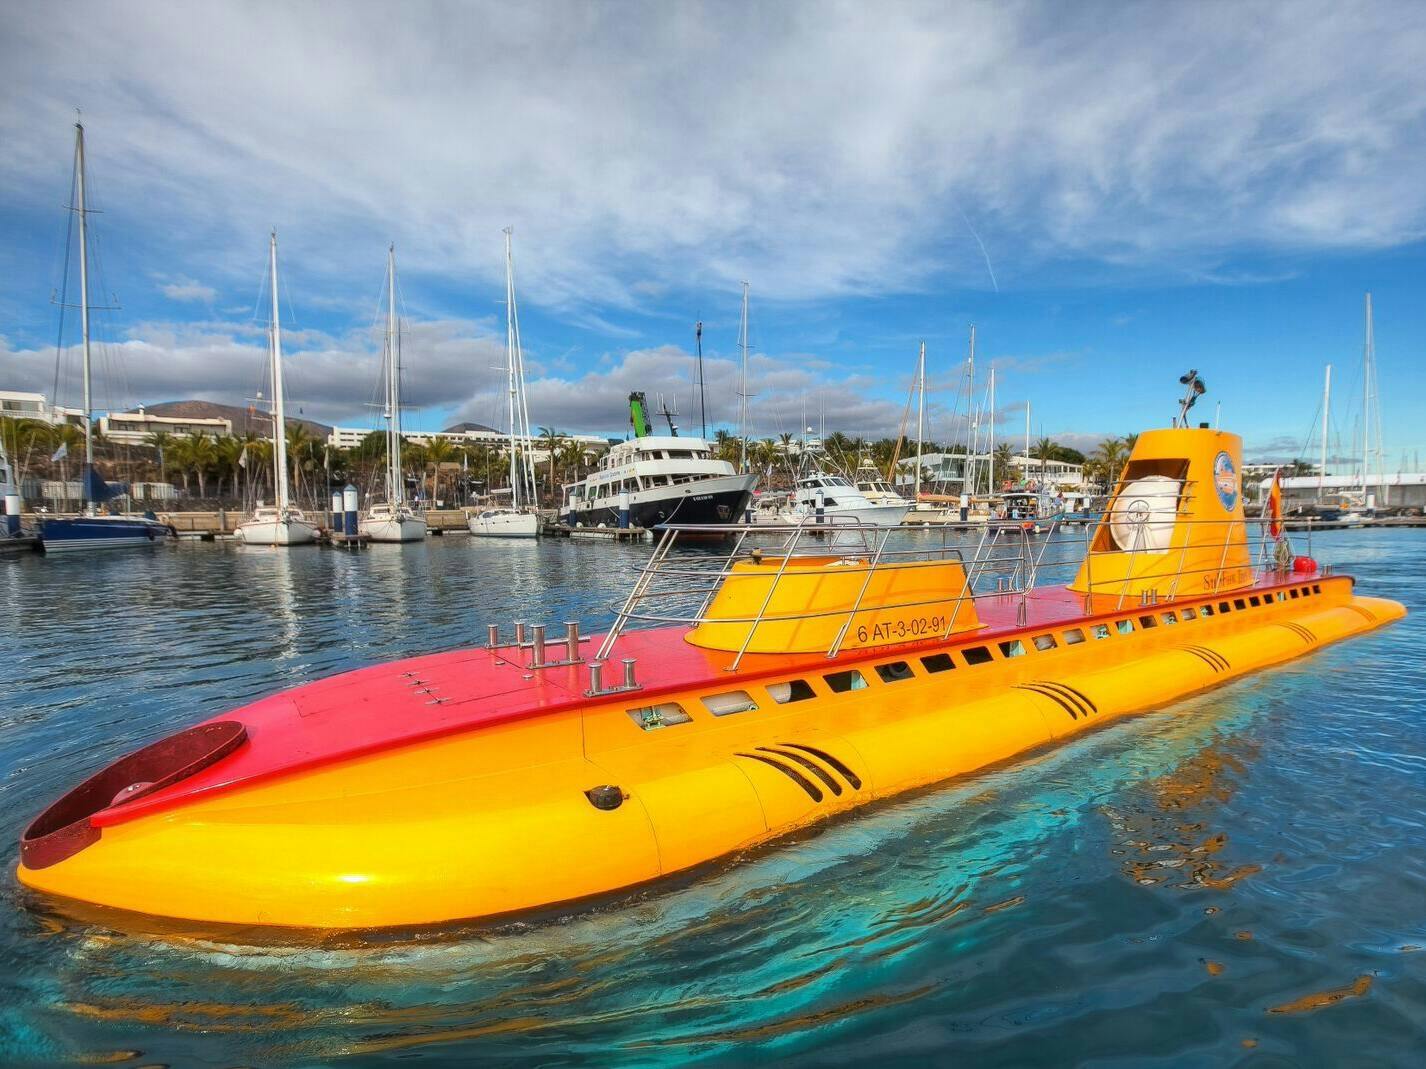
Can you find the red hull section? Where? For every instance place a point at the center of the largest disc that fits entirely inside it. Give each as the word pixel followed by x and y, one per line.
pixel 386 706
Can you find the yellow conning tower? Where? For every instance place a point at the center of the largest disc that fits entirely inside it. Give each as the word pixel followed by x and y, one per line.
pixel 1174 526
pixel 773 604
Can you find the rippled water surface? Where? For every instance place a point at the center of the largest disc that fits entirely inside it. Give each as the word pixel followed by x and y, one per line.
pixel 1241 876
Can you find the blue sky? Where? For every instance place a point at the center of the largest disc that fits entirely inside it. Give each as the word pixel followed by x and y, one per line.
pixel 1112 193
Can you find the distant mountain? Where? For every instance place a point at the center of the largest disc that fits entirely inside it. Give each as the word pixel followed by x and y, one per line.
pixel 244 420
pixel 461 428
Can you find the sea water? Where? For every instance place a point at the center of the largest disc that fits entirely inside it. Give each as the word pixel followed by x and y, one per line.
pixel 1239 876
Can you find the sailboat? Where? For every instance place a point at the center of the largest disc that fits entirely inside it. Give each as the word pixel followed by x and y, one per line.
pixel 519 519
pixel 393 520
pixel 278 524
pixel 90 529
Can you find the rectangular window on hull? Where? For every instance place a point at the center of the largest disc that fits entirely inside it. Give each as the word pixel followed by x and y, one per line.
pixel 792 690
pixel 1044 642
pixel 977 655
pixel 1190 613
pixel 666 714
pixel 841 682
pixel 1125 627
pixel 734 701
pixel 1100 631
pixel 938 662
pixel 1239 603
pixel 1013 648
pixel 895 672
pixel 1074 636
pixel 1147 622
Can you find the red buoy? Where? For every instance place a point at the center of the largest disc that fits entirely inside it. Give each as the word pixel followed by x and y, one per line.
pixel 1304 564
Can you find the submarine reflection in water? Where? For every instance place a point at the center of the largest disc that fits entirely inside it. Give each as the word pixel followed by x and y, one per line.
pixel 813 679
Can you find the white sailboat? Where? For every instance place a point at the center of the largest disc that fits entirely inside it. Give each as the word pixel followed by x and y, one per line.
pixel 393 520
pixel 92 529
pixel 278 524
pixel 519 519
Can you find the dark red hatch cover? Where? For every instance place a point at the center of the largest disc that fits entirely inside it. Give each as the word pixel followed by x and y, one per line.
pixel 64 829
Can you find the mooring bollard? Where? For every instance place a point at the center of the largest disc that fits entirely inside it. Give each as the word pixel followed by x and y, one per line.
pixel 336 524
pixel 349 509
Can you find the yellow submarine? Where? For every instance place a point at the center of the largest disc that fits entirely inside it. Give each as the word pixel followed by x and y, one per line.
pixel 807 680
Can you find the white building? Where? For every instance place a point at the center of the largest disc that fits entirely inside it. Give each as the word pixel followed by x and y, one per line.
pixel 1394 489
pixel 134 428
pixel 350 437
pixel 948 470
pixel 17 404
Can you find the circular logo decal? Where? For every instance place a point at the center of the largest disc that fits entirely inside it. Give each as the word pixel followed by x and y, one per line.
pixel 1225 480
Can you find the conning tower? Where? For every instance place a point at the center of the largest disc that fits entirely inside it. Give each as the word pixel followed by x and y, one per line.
pixel 1174 525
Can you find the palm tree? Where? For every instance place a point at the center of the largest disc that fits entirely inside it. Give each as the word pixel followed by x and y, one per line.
pixel 441 451
pixel 228 451
pixel 1109 459
pixel 837 446
pixel 1043 450
pixel 1004 458
pixel 550 440
pixel 161 440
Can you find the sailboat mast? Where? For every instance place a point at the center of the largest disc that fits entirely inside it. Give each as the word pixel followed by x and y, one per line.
pixel 84 303
pixel 920 415
pixel 743 390
pixel 1326 408
pixel 279 416
pixel 702 403
pixel 990 463
pixel 395 485
pixel 967 484
pixel 515 480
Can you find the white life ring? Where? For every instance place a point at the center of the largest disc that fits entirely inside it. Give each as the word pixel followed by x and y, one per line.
pixel 1144 513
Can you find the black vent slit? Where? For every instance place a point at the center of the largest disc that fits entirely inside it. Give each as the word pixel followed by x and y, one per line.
pixel 811 766
pixel 1088 705
pixel 1207 656
pixel 847 774
pixel 1036 688
pixel 813 791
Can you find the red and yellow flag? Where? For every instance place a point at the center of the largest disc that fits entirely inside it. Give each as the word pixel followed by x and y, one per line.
pixel 1272 507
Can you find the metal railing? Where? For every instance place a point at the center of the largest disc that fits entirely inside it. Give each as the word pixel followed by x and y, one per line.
pixel 1006 561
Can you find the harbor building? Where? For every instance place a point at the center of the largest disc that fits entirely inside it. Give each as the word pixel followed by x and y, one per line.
pixel 134 428
pixel 948 469
pixel 17 404
pixel 1393 489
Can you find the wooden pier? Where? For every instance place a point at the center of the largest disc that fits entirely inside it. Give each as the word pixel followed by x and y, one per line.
pixel 595 534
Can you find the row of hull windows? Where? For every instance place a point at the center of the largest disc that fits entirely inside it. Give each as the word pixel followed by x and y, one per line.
pixel 796 690
pixel 634 485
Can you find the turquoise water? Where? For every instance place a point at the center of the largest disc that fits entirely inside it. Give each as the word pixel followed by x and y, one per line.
pixel 1174 889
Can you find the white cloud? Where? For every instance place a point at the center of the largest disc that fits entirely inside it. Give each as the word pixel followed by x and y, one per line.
pixel 185 289
pixel 816 149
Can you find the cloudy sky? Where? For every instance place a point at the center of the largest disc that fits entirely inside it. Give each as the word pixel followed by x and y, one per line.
pixel 1111 193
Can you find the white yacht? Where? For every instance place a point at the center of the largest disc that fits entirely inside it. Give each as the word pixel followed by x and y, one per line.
pixel 823 497
pixel 278 524
pixel 519 519
pixel 392 520
pixel 653 479
pixel 872 486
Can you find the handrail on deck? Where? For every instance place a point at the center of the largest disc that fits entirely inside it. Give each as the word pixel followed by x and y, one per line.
pixel 671 580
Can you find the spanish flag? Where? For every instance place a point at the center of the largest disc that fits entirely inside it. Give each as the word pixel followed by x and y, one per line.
pixel 1272 507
